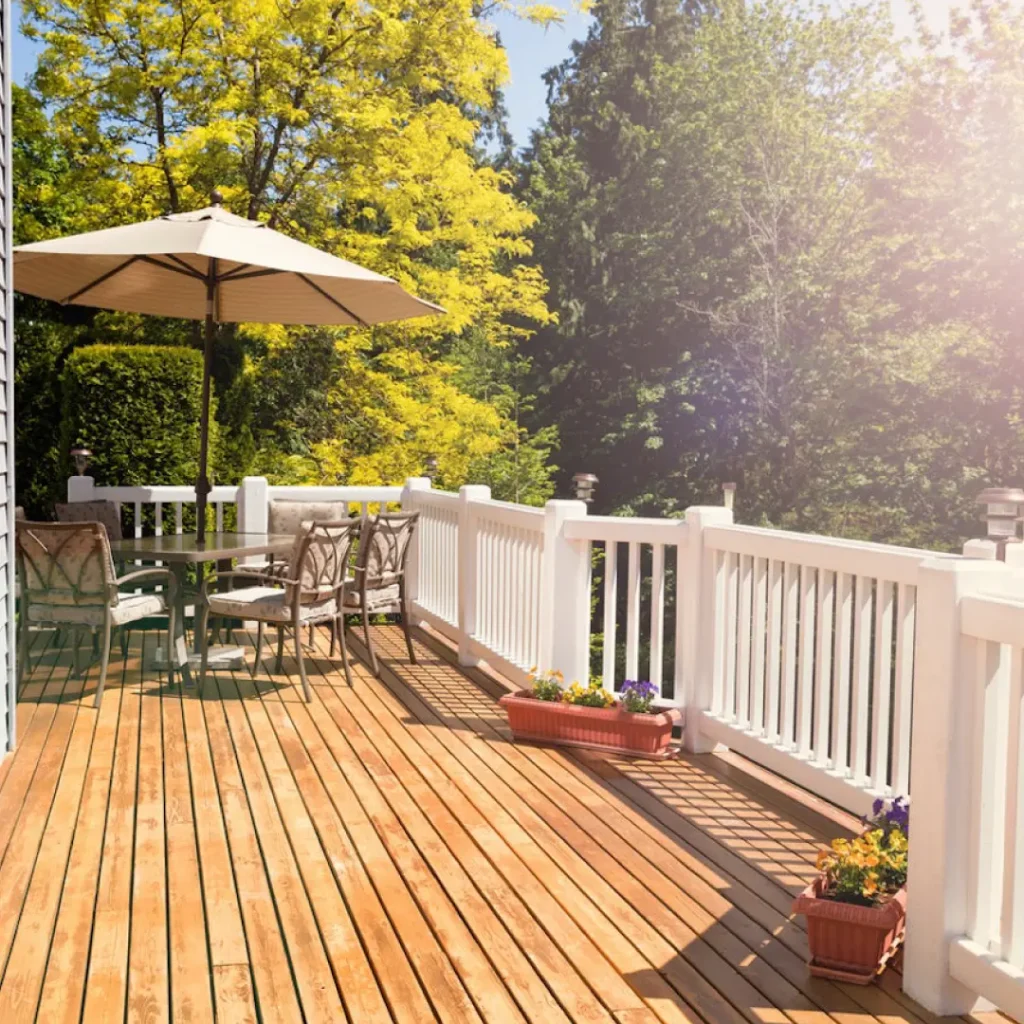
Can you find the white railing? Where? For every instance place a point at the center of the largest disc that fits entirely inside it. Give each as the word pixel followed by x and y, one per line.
pixel 250 500
pixel 813 665
pixel 966 884
pixel 436 558
pixel 168 502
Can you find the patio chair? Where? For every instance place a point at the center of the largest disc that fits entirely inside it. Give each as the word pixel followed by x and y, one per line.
pixel 309 592
pixel 107 513
pixel 379 584
pixel 68 580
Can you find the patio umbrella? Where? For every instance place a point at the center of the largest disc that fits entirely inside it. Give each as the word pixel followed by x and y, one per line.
pixel 210 265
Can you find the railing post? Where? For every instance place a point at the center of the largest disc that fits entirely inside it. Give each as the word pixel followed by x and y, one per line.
pixel 81 488
pixel 565 595
pixel 412 571
pixel 252 508
pixel 940 779
pixel 468 494
pixel 696 625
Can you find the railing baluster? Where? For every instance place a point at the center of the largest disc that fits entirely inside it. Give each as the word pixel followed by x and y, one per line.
pixel 218 507
pixel 178 518
pixel 841 660
pixel 861 681
pixel 732 576
pixel 656 672
pixel 775 573
pixel 611 585
pixel 787 730
pixel 158 514
pixel 805 688
pixel 758 641
pixel 633 613
pixel 906 611
pixel 743 623
pixel 823 666
pixel 882 692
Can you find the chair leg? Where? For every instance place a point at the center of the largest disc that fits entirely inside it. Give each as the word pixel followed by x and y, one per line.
pixel 203 616
pixel 312 635
pixel 280 649
pixel 104 660
pixel 171 625
pixel 23 645
pixel 76 635
pixel 405 625
pixel 124 642
pixel 339 628
pixel 369 643
pixel 259 649
pixel 297 630
pixel 334 636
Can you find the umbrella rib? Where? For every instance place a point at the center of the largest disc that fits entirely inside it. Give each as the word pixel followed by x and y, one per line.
pixel 330 298
pixel 235 274
pixel 99 280
pixel 181 263
pixel 188 271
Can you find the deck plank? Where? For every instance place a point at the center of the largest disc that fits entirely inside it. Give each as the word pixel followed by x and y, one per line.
pixel 22 980
pixel 191 997
pixel 63 986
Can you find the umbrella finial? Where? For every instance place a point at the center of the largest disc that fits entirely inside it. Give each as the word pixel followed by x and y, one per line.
pixel 216 198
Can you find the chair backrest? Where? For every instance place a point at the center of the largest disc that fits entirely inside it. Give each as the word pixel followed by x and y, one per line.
pixel 65 563
pixel 384 550
pixel 321 556
pixel 106 512
pixel 285 516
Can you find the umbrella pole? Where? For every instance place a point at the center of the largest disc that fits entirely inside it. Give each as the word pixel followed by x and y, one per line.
pixel 203 483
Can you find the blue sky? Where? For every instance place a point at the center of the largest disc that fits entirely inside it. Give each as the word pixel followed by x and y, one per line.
pixel 531 51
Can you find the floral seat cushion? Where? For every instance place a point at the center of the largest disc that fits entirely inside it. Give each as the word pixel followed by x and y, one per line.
pixel 129 608
pixel 271 604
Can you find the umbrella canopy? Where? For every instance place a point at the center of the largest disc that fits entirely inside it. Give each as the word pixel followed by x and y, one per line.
pixel 163 267
pixel 210 265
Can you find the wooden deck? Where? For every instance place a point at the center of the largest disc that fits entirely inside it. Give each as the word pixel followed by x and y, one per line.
pixel 386 854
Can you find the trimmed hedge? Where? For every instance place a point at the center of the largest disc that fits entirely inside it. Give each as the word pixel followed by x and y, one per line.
pixel 137 407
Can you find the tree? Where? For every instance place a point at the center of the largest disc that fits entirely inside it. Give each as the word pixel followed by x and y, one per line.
pixel 349 126
pixel 747 242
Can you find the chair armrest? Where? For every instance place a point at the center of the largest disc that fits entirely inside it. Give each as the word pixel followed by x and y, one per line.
pixel 155 572
pixel 251 578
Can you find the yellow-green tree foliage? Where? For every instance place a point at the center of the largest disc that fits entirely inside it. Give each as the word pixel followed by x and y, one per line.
pixel 346 124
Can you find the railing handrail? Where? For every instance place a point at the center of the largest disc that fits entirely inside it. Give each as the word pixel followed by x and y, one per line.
pixel 836 554
pixel 627 530
pixel 165 493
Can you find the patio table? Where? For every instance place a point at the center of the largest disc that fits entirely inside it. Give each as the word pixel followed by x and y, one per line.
pixel 179 550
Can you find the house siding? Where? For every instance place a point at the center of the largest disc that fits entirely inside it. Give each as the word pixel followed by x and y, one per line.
pixel 8 674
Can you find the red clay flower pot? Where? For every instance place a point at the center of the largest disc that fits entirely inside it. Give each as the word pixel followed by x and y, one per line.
pixel 850 942
pixel 573 725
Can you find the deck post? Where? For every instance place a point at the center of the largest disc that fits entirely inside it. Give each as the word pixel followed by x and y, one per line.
pixel 696 625
pixel 81 488
pixel 565 595
pixel 468 574
pixel 412 571
pixel 940 781
pixel 253 508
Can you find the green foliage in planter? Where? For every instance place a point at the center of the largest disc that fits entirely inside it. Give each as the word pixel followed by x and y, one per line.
pixel 137 407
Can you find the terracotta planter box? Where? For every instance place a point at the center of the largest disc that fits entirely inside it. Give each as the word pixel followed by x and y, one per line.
pixel 849 942
pixel 573 725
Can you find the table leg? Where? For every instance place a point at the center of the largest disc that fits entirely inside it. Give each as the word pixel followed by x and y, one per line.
pixel 180 646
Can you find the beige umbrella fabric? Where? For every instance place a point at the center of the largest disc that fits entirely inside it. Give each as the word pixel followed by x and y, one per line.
pixel 161 267
pixel 210 265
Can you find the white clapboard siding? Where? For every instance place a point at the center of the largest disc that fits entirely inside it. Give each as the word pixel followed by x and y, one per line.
pixel 8 669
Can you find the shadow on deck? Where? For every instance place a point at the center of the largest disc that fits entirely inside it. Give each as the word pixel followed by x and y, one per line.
pixel 386 854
